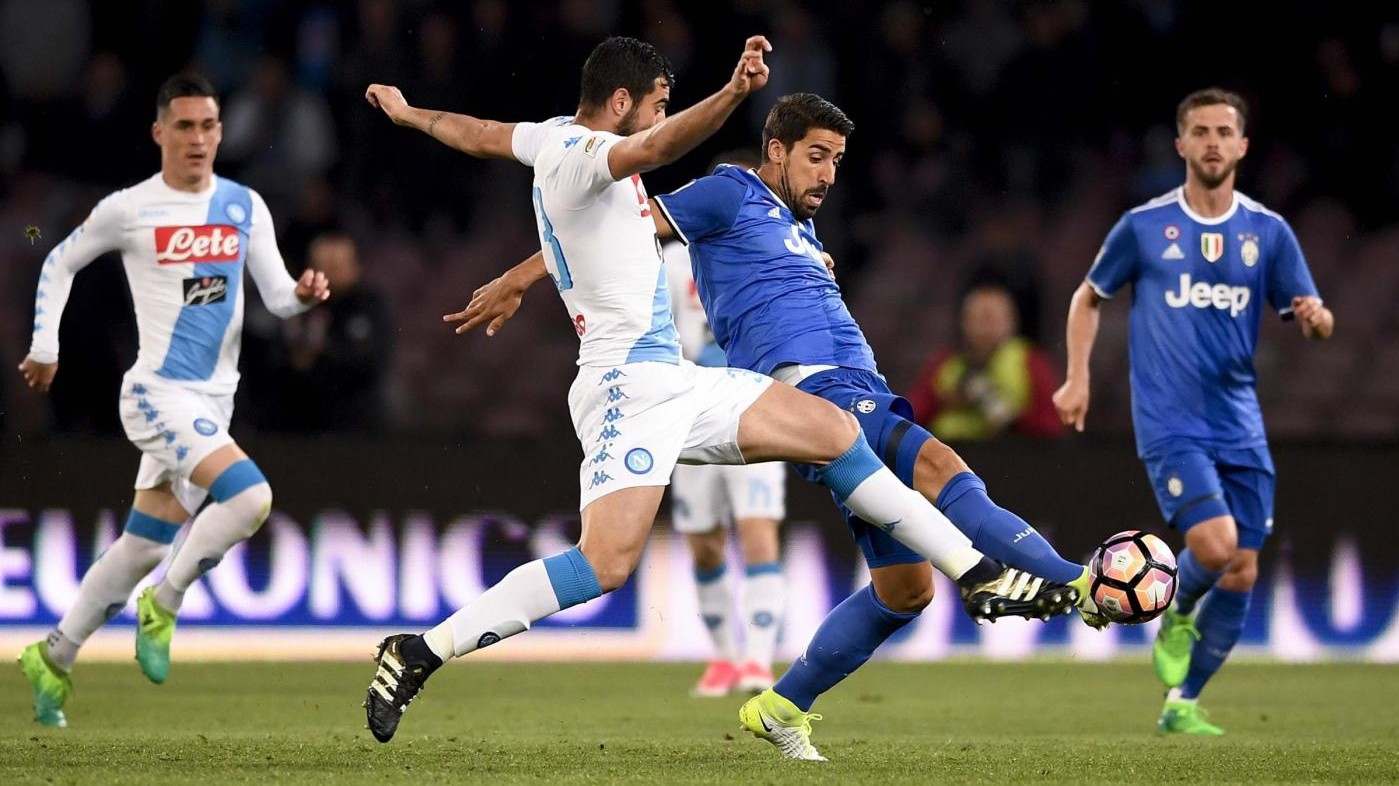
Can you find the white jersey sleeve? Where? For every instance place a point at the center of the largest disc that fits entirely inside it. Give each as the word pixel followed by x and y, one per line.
pixel 100 233
pixel 579 174
pixel 268 269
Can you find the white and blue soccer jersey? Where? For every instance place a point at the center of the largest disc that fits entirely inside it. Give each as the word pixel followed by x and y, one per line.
pixel 697 342
pixel 184 255
pixel 599 243
pixel 1198 290
pixel 760 276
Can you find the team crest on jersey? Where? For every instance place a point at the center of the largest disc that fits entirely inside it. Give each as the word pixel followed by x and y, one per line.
pixel 1212 246
pixel 236 213
pixel 590 147
pixel 1248 248
pixel 865 406
pixel 639 461
pixel 1172 232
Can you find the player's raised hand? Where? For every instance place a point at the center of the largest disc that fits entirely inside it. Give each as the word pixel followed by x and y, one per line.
pixel 1071 401
pixel 38 376
pixel 313 287
pixel 751 73
pixel 390 99
pixel 494 303
pixel 1315 318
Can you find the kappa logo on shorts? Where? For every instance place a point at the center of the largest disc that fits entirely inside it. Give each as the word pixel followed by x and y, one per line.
pixel 205 426
pixel 639 461
pixel 865 406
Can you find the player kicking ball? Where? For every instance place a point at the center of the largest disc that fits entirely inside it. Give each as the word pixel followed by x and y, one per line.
pixel 639 409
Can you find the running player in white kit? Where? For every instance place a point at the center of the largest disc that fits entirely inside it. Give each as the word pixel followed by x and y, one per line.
pixel 637 407
pixel 708 501
pixel 185 236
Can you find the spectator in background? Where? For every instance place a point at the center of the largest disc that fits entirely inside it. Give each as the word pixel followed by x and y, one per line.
pixel 997 382
pixel 339 354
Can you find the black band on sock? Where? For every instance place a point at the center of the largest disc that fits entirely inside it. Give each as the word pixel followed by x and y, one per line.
pixel 891 445
pixel 982 572
pixel 418 653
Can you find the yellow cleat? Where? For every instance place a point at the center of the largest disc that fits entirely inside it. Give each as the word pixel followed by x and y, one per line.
pixel 775 719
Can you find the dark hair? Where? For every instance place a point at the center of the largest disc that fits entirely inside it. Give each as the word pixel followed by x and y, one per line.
pixel 1209 97
pixel 622 62
pixel 183 86
pixel 796 114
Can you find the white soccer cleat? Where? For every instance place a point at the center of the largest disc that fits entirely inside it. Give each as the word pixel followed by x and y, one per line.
pixel 775 719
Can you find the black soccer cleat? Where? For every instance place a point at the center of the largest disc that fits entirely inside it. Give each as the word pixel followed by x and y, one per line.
pixel 396 683
pixel 1016 593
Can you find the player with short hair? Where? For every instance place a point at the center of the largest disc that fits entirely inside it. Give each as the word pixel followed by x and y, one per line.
pixel 708 501
pixel 638 408
pixel 775 310
pixel 185 236
pixel 1202 260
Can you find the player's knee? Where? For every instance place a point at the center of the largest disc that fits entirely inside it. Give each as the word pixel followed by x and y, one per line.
pixel 938 463
pixel 906 597
pixel 843 431
pixel 1241 575
pixel 612 573
pixel 253 505
pixel 708 550
pixel 1213 553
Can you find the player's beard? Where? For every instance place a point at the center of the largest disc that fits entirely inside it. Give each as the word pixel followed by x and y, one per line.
pixel 1213 181
pixel 627 125
pixel 794 200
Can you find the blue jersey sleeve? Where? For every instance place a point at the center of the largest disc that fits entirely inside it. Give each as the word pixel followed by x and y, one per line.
pixel 1118 262
pixel 702 208
pixel 1288 275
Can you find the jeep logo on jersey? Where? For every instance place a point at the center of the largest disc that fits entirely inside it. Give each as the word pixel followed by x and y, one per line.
pixel 205 290
pixel 208 243
pixel 1202 295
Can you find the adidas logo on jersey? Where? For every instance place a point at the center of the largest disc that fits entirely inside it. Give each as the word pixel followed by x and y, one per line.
pixel 208 243
pixel 1202 295
pixel 1173 252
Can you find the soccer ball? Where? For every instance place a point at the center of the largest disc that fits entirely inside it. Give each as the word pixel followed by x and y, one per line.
pixel 1133 577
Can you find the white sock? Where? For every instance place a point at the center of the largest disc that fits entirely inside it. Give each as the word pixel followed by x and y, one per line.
pixel 883 500
pixel 764 596
pixel 522 597
pixel 104 592
pixel 716 603
pixel 220 527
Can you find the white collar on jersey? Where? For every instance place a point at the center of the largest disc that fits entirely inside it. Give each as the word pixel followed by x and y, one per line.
pixel 1196 217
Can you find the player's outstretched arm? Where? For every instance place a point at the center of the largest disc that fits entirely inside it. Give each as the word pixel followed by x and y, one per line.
pixel 470 135
pixel 1071 399
pixel 675 136
pixel 496 302
pixel 1316 320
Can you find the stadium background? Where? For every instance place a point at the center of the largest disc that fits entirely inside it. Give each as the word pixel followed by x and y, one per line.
pixel 989 136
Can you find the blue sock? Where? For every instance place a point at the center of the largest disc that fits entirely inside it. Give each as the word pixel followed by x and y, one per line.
pixel 846 639
pixel 1000 534
pixel 1193 580
pixel 1221 621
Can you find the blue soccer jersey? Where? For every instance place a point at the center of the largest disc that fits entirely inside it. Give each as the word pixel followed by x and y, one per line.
pixel 760 276
pixel 1198 289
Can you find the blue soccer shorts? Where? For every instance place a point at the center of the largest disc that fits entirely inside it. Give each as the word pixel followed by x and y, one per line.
pixel 1194 483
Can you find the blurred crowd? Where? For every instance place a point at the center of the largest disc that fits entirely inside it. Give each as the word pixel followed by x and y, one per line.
pixel 996 142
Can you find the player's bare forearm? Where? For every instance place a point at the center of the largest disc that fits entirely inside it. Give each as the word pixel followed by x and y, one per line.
pixel 677 135
pixel 1082 331
pixel 471 135
pixel 495 303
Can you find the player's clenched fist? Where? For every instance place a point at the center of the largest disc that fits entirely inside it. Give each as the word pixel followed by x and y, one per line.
pixel 390 99
pixel 38 376
pixel 751 73
pixel 1071 401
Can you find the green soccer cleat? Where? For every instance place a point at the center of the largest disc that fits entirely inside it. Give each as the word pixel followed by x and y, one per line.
pixel 52 685
pixel 1087 609
pixel 775 719
pixel 1186 717
pixel 1170 652
pixel 155 626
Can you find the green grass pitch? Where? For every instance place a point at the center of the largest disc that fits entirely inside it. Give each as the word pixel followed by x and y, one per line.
pixel 929 723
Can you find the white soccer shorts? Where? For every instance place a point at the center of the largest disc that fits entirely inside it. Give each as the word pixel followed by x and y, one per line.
pixel 175 428
pixel 636 421
pixel 704 498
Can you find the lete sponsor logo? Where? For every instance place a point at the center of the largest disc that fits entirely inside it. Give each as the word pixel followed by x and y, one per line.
pixel 208 243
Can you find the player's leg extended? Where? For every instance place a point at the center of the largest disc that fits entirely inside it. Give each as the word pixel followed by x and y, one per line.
pixel 786 424
pixel 154 520
pixel 846 639
pixel 242 500
pixel 615 528
pixel 764 598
